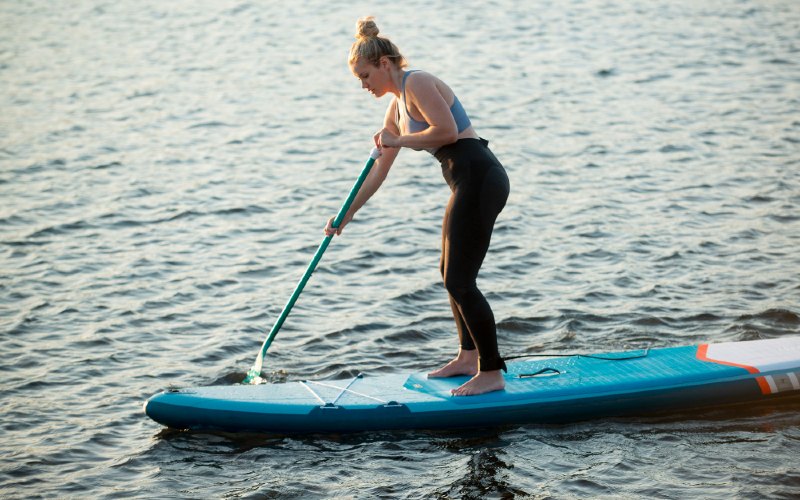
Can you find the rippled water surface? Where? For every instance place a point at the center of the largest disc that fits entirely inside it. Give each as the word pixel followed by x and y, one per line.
pixel 166 169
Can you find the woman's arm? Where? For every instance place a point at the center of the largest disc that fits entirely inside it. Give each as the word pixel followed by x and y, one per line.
pixel 424 92
pixel 376 175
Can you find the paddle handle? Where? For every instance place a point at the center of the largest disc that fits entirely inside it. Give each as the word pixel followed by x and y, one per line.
pixel 255 371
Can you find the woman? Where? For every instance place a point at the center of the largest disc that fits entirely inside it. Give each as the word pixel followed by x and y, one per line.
pixel 426 114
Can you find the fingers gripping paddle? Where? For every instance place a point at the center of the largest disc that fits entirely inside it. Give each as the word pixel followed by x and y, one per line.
pixel 254 375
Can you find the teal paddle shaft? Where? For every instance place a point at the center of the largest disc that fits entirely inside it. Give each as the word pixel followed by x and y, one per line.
pixel 254 375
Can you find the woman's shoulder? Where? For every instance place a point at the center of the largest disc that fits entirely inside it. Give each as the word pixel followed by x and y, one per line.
pixel 427 84
pixel 420 81
pixel 417 76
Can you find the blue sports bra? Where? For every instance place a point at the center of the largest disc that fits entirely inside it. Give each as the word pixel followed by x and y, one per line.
pixel 459 115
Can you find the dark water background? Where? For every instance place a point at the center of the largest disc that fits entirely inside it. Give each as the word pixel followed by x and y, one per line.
pixel 166 169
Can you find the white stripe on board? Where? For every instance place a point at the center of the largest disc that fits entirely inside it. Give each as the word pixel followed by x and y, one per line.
pixel 771 382
pixel 794 381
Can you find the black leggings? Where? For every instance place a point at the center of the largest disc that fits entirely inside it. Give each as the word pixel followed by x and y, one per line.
pixel 480 188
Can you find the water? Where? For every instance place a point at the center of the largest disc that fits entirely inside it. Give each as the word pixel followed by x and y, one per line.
pixel 166 170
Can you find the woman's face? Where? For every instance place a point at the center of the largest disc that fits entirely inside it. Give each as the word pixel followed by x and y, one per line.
pixel 375 79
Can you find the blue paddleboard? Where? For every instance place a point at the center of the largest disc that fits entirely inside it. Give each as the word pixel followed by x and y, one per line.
pixel 546 390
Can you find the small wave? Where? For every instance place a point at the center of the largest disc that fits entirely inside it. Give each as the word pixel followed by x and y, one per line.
pixel 244 7
pixel 248 210
pixel 759 199
pixel 431 291
pixel 653 78
pixel 701 317
pixel 650 321
pixel 138 94
pixel 671 148
pixel 777 315
pixel 596 254
pixel 186 214
pixel 526 325
pixel 61 229
pixel 403 337
pixel 593 149
pixel 105 166
pixel 13 220
pixel 784 218
pixel 676 255
pixel 211 124
pixel 748 234
pixel 261 271
pixel 293 151
pixel 723 214
pixel 127 224
pixel 596 234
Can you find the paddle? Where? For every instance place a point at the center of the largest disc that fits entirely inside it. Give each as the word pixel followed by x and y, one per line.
pixel 254 375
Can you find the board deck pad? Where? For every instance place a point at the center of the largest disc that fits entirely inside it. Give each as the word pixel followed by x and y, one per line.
pixel 542 390
pixel 572 376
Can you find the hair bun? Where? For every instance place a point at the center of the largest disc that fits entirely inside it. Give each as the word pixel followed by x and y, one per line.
pixel 366 28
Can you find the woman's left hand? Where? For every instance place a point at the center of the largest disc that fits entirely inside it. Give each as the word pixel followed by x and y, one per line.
pixel 386 138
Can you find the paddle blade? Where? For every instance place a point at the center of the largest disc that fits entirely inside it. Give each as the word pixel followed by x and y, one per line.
pixel 253 377
pixel 254 374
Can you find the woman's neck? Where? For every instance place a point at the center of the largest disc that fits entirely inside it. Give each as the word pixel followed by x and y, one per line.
pixel 396 76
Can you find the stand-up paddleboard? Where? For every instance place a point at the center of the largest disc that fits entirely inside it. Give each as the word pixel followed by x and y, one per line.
pixel 546 390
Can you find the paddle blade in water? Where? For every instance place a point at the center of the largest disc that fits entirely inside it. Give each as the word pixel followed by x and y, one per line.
pixel 254 375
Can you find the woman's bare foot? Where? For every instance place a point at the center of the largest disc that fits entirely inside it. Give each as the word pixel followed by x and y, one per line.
pixel 465 363
pixel 481 383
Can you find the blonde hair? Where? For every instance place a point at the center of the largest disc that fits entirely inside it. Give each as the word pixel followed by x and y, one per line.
pixel 371 47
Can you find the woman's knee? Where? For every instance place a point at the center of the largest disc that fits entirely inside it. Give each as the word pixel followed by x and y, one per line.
pixel 458 288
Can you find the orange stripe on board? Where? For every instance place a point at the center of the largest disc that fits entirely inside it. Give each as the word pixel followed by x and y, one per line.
pixel 764 385
pixel 702 354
